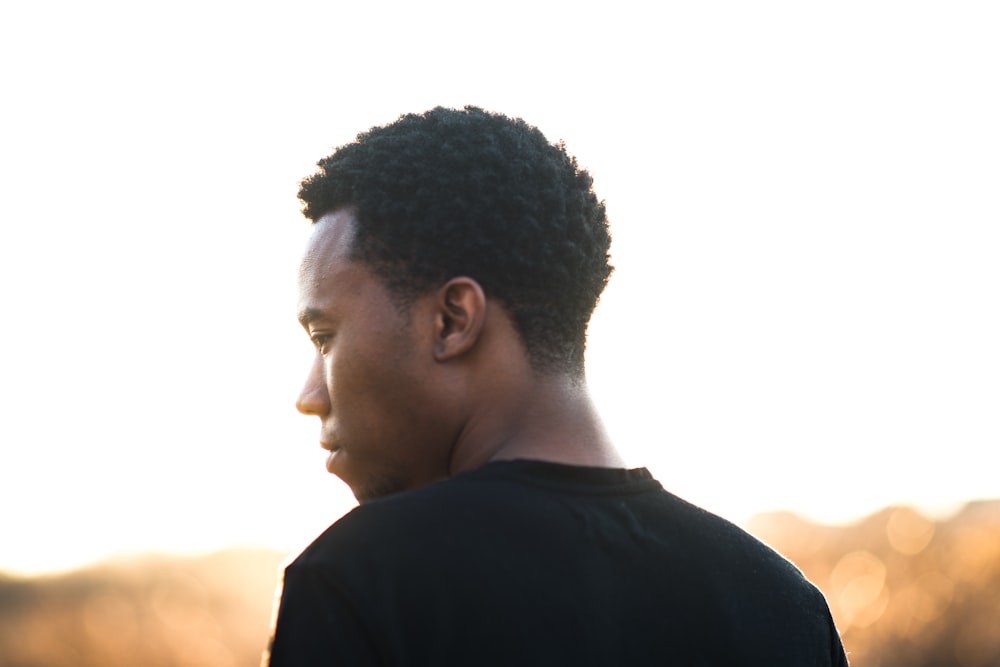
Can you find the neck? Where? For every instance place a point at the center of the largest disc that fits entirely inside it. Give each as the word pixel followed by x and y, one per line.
pixel 550 418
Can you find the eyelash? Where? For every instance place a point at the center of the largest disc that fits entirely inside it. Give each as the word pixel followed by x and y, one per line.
pixel 320 340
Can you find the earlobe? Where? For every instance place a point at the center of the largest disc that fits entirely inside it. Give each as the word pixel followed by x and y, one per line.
pixel 461 305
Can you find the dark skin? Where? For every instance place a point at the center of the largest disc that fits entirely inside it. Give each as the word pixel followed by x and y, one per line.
pixel 414 395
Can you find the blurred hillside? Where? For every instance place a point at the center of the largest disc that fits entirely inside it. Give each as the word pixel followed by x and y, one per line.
pixel 906 592
pixel 154 611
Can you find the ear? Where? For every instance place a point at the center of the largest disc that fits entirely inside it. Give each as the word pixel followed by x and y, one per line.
pixel 461 314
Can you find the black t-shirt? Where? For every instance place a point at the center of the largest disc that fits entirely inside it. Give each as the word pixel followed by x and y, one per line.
pixel 534 563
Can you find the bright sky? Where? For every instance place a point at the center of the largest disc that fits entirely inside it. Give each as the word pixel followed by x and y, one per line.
pixel 804 200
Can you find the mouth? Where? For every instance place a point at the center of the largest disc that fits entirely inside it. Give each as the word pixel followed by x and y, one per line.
pixel 331 458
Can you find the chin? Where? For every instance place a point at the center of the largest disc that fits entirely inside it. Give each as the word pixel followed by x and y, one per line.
pixel 378 486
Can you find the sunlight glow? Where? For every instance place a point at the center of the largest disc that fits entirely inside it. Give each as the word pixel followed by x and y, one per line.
pixel 803 200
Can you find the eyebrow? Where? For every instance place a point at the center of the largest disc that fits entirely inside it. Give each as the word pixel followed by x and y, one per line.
pixel 307 315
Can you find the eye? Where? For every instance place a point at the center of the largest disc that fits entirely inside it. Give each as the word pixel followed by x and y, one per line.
pixel 321 341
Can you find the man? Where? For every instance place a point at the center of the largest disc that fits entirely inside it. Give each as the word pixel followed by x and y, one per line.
pixel 455 260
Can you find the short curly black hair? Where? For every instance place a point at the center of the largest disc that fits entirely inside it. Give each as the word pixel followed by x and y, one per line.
pixel 467 192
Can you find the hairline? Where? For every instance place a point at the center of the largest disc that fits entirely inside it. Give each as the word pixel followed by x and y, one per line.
pixel 403 298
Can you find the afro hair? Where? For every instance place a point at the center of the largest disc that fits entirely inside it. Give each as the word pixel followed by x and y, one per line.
pixel 473 193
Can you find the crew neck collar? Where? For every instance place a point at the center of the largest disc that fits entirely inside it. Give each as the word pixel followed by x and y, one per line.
pixel 592 479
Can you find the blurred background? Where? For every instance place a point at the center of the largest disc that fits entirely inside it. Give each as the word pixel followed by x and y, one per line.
pixel 800 334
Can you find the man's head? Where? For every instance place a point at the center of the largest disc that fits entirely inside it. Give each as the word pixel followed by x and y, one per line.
pixel 470 193
pixel 455 260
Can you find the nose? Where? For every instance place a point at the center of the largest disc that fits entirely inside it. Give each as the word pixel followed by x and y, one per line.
pixel 314 398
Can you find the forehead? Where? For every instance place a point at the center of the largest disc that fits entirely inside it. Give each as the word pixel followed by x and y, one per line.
pixel 329 245
pixel 327 274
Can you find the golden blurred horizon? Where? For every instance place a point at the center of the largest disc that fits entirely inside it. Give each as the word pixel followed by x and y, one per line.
pixel 907 533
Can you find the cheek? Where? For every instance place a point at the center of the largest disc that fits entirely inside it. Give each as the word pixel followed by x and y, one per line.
pixel 342 381
pixel 364 385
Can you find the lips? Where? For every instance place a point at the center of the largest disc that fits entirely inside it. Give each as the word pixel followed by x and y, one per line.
pixel 334 450
pixel 331 461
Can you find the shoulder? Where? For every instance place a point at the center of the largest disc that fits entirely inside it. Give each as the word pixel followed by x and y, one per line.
pixel 511 505
pixel 394 521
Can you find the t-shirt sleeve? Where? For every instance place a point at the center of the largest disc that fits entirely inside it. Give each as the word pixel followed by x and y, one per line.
pixel 316 624
pixel 838 654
